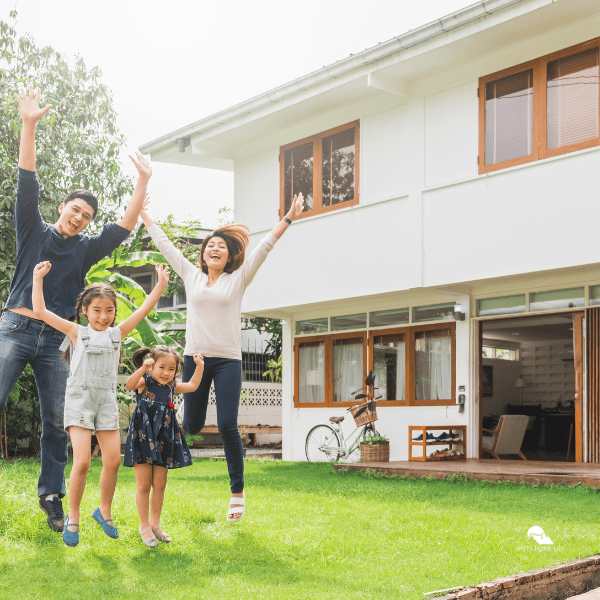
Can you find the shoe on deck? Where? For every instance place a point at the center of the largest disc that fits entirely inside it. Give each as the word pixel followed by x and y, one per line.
pixel 419 438
pixel 54 509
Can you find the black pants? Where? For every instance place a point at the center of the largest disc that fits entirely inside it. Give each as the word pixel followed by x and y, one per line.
pixel 227 376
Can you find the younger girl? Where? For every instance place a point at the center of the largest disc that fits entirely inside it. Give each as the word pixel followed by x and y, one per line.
pixel 91 396
pixel 155 442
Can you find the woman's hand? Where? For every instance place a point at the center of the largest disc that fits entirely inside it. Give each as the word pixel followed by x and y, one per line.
pixel 148 364
pixel 163 274
pixel 29 105
pixel 296 208
pixel 199 360
pixel 142 165
pixel 41 269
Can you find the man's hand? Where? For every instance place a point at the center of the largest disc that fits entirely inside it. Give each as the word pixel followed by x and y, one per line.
pixel 29 105
pixel 42 269
pixel 142 165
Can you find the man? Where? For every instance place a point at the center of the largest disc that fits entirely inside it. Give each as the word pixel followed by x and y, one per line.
pixel 24 339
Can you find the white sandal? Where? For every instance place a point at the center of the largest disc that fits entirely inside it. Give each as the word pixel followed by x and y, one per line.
pixel 236 509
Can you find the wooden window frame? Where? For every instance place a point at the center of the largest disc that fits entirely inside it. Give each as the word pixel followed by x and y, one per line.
pixel 409 377
pixel 409 333
pixel 539 66
pixel 328 342
pixel 317 141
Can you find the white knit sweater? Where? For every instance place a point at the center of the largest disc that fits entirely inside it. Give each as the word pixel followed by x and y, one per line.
pixel 213 325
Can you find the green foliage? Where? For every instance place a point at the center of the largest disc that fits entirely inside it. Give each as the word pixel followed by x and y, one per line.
pixel 374 440
pixel 156 328
pixel 269 326
pixel 182 236
pixel 23 413
pixel 274 369
pixel 78 143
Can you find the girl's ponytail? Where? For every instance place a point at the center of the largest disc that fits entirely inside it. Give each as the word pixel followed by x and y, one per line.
pixel 139 356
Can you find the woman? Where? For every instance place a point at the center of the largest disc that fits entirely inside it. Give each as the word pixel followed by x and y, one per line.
pixel 214 297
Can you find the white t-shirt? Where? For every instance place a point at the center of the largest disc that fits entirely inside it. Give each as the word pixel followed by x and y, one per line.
pixel 213 325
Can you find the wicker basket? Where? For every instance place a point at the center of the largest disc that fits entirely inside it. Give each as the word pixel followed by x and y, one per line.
pixel 375 453
pixel 364 413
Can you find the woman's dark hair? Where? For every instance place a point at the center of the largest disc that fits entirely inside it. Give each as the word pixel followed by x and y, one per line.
pixel 139 356
pixel 84 195
pixel 96 290
pixel 236 238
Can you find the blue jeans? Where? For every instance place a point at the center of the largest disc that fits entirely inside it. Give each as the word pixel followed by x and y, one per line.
pixel 227 375
pixel 24 340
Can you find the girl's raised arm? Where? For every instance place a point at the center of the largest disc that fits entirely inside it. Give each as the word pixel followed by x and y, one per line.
pixel 131 323
pixel 136 381
pixel 39 305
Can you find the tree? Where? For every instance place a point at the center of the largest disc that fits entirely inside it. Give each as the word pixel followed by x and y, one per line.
pixel 78 143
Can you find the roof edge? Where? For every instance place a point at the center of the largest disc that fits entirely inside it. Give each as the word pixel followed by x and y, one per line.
pixel 372 55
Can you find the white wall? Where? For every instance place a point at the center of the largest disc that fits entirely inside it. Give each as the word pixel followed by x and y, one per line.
pixel 424 214
pixel 505 373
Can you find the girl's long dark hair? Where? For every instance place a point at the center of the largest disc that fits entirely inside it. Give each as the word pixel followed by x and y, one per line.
pixel 96 290
pixel 139 356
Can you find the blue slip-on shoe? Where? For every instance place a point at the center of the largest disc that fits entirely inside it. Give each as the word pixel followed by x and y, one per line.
pixel 70 538
pixel 109 530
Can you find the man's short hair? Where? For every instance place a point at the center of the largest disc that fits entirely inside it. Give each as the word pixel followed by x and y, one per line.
pixel 83 195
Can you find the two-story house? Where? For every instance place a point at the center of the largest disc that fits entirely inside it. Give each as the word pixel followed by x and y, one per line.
pixel 449 238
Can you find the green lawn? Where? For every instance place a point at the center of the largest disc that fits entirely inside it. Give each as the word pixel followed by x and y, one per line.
pixel 308 533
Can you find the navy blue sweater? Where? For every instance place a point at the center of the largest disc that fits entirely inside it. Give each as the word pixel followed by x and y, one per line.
pixel 71 257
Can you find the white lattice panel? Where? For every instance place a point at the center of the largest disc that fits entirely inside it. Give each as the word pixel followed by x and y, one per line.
pixel 260 403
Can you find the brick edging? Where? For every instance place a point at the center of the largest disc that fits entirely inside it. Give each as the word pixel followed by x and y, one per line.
pixel 552 583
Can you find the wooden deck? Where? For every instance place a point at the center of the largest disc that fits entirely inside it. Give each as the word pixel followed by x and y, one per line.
pixel 565 473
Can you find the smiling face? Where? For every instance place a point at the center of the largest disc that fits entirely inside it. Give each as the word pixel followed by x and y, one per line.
pixel 75 216
pixel 216 254
pixel 164 369
pixel 100 313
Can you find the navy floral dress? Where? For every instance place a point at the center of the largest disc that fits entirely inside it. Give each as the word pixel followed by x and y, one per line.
pixel 155 437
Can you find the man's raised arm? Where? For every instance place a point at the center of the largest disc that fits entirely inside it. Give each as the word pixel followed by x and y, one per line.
pixel 139 194
pixel 31 113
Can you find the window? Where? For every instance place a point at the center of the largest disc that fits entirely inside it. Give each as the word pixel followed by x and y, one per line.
pixel 543 108
pixel 329 368
pixel 413 366
pixel 324 168
pixel 501 353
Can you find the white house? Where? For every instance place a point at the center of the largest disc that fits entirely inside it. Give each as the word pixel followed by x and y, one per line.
pixel 455 164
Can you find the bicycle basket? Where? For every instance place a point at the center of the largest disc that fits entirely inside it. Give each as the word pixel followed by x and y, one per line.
pixel 364 413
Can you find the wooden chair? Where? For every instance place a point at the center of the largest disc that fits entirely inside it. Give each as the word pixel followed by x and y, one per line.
pixel 508 436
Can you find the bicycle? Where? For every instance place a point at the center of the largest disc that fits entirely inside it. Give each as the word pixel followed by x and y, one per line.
pixel 326 443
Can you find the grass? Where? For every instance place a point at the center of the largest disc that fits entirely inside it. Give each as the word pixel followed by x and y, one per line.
pixel 308 533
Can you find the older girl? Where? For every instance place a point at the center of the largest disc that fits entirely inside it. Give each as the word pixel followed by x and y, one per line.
pixel 91 396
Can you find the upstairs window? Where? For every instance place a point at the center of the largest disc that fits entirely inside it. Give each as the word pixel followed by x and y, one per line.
pixel 323 168
pixel 543 108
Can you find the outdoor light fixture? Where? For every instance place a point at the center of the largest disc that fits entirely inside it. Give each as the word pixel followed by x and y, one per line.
pixel 458 315
pixel 520 383
pixel 183 143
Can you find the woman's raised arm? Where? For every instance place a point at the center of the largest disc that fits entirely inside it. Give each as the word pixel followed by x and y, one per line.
pixel 181 265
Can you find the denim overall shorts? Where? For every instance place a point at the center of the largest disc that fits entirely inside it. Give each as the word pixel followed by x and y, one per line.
pixel 91 395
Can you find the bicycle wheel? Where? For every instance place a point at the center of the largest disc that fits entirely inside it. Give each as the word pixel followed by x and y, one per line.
pixel 319 437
